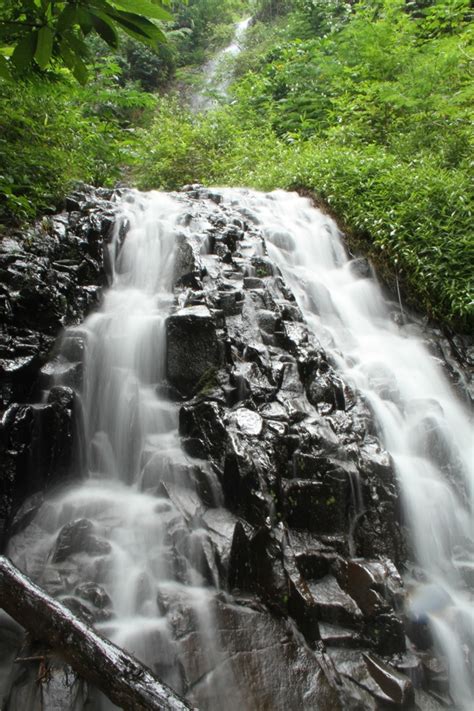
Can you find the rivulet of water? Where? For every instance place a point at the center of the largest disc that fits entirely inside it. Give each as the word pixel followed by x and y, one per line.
pixel 217 71
pixel 421 422
pixel 154 555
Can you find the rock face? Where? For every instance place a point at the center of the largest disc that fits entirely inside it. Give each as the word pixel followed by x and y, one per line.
pixel 192 348
pixel 50 278
pixel 310 538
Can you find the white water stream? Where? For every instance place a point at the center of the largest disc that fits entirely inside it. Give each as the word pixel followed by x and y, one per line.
pixel 217 71
pixel 421 422
pixel 154 555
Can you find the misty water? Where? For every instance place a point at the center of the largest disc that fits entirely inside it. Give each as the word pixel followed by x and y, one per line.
pixel 217 72
pixel 133 461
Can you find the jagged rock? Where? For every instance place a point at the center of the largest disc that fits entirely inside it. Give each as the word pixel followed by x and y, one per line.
pixel 395 685
pixel 244 481
pixel 50 278
pixel 301 603
pixel 386 633
pixel 37 448
pixel 78 537
pixel 95 594
pixel 320 506
pixel 240 568
pixel 192 347
pixel 374 584
pixel 338 636
pixel 262 267
pixel 62 371
pixel 247 421
pixel 333 604
pixel 185 262
pixel 253 283
pixel 361 268
pixel 250 380
pixel 202 421
pixel 220 525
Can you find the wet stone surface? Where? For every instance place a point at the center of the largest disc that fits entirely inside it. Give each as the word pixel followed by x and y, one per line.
pixel 50 278
pixel 304 540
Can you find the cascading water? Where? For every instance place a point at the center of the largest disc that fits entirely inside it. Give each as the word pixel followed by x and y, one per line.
pixel 422 424
pixel 216 81
pixel 131 540
pixel 132 449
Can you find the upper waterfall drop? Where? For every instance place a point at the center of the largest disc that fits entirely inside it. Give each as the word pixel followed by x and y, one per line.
pixel 216 81
pixel 224 365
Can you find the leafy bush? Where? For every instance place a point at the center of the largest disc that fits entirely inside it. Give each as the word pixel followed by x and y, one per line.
pixel 55 133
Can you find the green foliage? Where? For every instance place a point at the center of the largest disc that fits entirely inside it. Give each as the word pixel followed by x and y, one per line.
pixel 151 68
pixel 373 114
pixel 42 33
pixel 55 133
pixel 324 16
pixel 270 9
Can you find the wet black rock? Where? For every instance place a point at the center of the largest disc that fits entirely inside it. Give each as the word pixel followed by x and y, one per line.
pixel 37 447
pixel 396 686
pixel 78 537
pixel 185 263
pixel 320 506
pixel 202 422
pixel 50 277
pixel 192 347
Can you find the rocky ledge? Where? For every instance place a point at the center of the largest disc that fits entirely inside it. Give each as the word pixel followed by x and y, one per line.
pixel 310 541
pixel 50 278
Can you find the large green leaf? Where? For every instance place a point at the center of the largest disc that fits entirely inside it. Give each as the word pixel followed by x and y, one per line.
pixel 24 51
pixel 67 55
pixel 80 71
pixel 44 47
pixel 67 18
pixel 77 45
pixel 4 68
pixel 105 28
pixel 145 8
pixel 139 27
pixel 73 61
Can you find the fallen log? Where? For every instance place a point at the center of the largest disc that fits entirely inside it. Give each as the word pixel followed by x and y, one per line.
pixel 127 683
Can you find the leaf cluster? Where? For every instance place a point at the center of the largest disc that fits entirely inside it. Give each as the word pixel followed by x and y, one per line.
pixel 38 34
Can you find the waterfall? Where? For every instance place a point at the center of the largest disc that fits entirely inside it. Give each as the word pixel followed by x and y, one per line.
pixel 134 541
pixel 217 72
pixel 422 424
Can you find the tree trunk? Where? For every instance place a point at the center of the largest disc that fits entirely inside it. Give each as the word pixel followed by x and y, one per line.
pixel 127 683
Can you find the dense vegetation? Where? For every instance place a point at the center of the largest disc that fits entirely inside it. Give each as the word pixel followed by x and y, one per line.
pixel 366 105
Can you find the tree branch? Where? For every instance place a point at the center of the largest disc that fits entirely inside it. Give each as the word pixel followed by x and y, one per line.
pixel 126 682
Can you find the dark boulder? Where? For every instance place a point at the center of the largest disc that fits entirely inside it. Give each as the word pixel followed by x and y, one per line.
pixel 395 685
pixel 37 448
pixel 202 421
pixel 78 537
pixel 319 506
pixel 192 347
